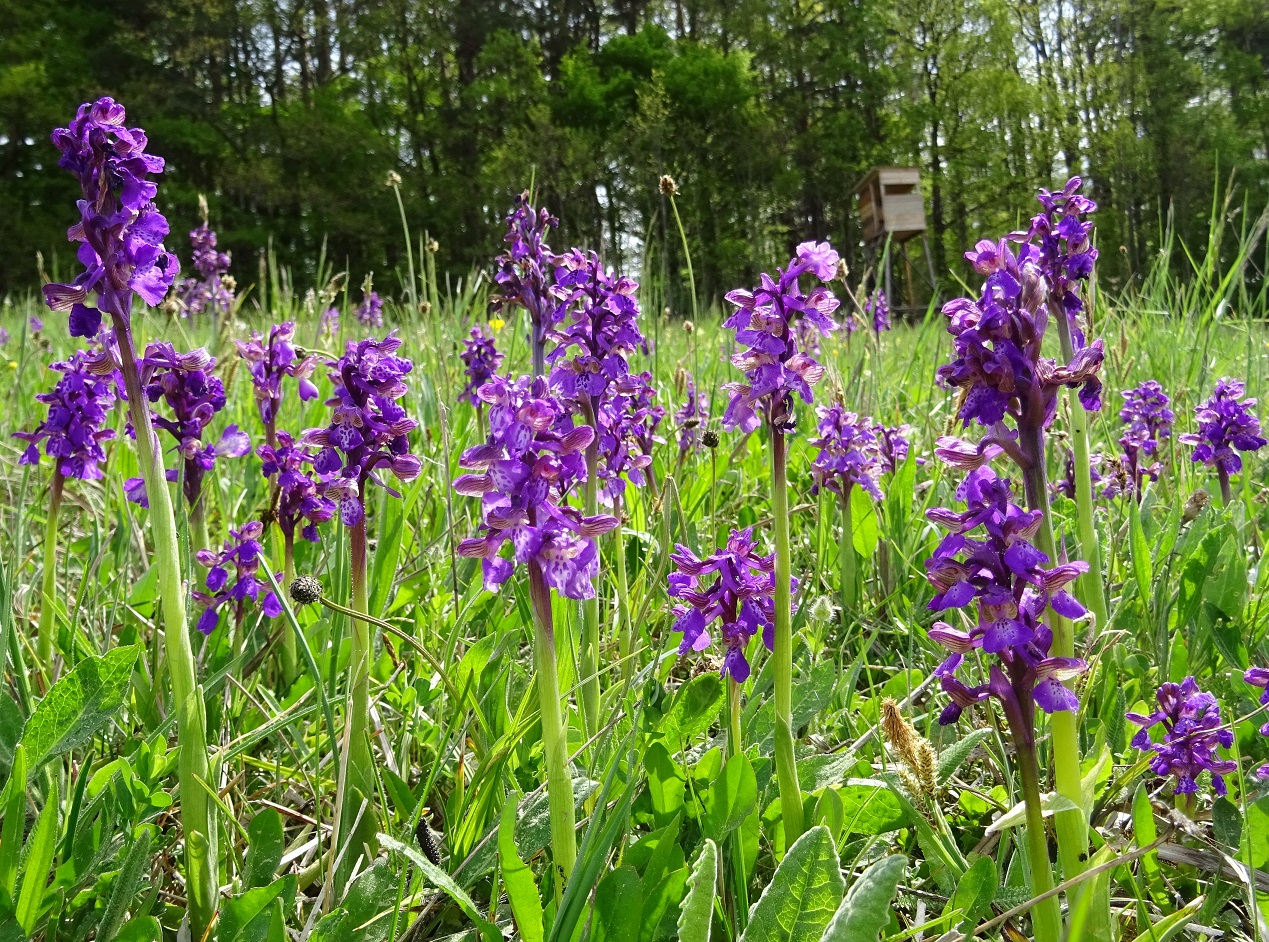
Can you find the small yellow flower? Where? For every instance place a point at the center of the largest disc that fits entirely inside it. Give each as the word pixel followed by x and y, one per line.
pixel 13 365
pixel 496 323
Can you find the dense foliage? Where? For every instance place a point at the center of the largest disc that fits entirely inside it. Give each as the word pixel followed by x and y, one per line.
pixel 289 114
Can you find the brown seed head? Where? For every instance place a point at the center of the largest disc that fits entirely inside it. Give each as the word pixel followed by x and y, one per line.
pixel 305 590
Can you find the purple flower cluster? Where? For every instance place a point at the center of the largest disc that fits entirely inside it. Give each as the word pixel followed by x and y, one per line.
pixel 481 360
pixel 368 426
pixel 877 307
pixel 1226 425
pixel 268 360
pixel 525 270
pixel 1147 421
pixel 72 433
pixel 1259 677
pixel 242 552
pixel 597 328
pixel 741 599
pixel 370 311
pixel 772 361
pixel 849 452
pixel 628 421
pixel 1063 235
pixel 1003 572
pixel 194 395
pixel 998 339
pixel 211 292
pixel 1192 731
pixel 533 455
pixel 301 492
pixel 691 418
pixel 892 441
pixel 328 325
pixel 119 230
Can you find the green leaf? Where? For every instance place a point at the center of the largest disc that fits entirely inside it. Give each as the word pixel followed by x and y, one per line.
pixel 1146 833
pixel 1142 565
pixel 954 756
pixel 1050 804
pixel 78 705
pixel 522 892
pixel 974 892
pixel 251 916
pixel 618 907
pixel 696 913
pixel 264 849
pixel 135 866
pixel 14 803
pixel 444 882
pixel 730 799
pixel 1258 833
pixel 37 858
pixel 863 516
pixel 1226 585
pixel 866 909
pixel 803 893
pixel 666 781
pixel 695 708
pixel 142 929
pixel 869 807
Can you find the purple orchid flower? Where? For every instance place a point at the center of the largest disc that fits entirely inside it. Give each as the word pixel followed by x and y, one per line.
pixel 301 491
pixel 268 360
pixel 242 553
pixel 741 599
pixel 1192 731
pixel 692 418
pixel 525 274
pixel 212 292
pixel 849 453
pixel 481 359
pixel 72 433
pixel 521 475
pixel 1227 425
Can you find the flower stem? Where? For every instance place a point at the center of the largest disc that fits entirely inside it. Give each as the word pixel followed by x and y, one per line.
pixel 1072 825
pixel 782 656
pixel 846 557
pixel 409 252
pixel 290 651
pixel 687 256
pixel 357 776
pixel 735 744
pixel 588 655
pixel 197 813
pixel 48 621
pixel 1091 589
pixel 1222 477
pixel 559 783
pixel 1046 916
pixel 626 623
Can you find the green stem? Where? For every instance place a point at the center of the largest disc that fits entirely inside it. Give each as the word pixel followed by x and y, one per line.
pixel 1091 589
pixel 687 256
pixel 559 783
pixel 1222 478
pixel 1046 917
pixel 627 628
pixel 735 744
pixel 409 252
pixel 357 776
pixel 48 620
pixel 1072 825
pixel 846 556
pixel 588 656
pixel 290 651
pixel 197 813
pixel 782 656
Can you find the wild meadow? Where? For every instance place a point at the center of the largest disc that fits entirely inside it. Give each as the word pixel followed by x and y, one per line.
pixel 521 606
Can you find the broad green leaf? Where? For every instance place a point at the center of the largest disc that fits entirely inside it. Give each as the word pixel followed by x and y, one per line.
pixel 522 892
pixel 974 892
pixel 869 807
pixel 730 799
pixel 143 929
pixel 696 914
pixel 694 709
pixel 863 517
pixel 78 705
pixel 1142 566
pixel 1146 833
pixel 251 916
pixel 264 849
pixel 830 812
pixel 1257 825
pixel 1226 586
pixel 124 890
pixel 444 882
pixel 1050 803
pixel 866 909
pixel 618 907
pixel 14 803
pixel 803 894
pixel 37 858
pixel 666 781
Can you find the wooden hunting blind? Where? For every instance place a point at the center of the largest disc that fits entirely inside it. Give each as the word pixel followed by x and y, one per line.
pixel 892 212
pixel 890 204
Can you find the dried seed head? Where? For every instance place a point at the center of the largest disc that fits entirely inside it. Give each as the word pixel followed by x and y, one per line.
pixel 896 729
pixel 915 751
pixel 425 307
pixel 668 186
pixel 306 590
pixel 710 438
pixel 1194 506
pixel 689 327
pixel 394 178
pixel 433 246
